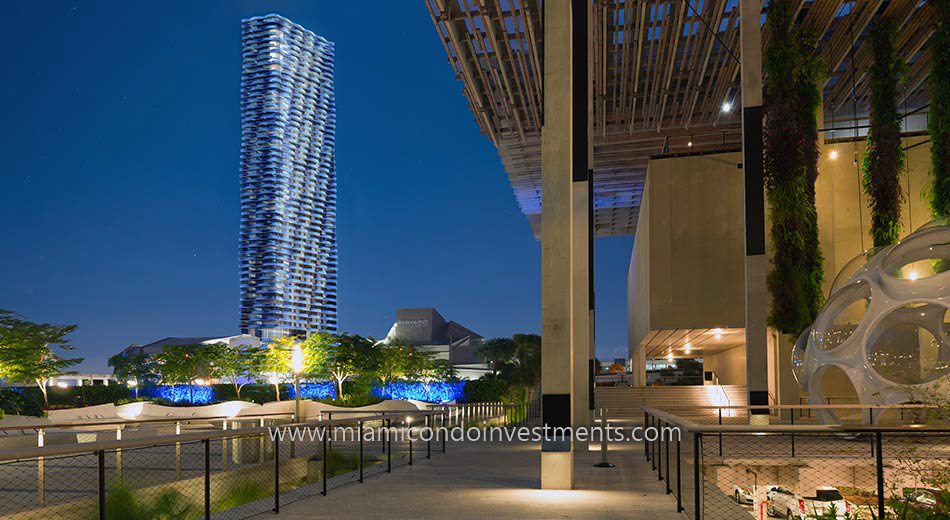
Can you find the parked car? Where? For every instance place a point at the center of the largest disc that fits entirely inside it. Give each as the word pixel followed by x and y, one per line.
pixel 923 498
pixel 785 503
pixel 743 495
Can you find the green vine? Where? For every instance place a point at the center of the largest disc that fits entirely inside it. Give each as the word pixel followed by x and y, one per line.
pixel 793 74
pixel 939 116
pixel 884 157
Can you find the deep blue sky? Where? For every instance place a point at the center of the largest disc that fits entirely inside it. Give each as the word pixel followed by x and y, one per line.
pixel 119 200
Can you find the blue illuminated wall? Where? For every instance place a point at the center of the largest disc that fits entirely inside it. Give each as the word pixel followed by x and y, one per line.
pixel 317 390
pixel 180 393
pixel 437 393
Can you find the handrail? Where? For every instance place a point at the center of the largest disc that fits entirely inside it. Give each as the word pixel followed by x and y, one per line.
pixel 87 424
pixel 161 440
pixel 808 407
pixel 174 419
pixel 692 426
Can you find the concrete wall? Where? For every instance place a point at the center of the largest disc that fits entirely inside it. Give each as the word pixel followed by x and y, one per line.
pixel 729 365
pixel 696 242
pixel 687 266
pixel 638 287
pixel 844 215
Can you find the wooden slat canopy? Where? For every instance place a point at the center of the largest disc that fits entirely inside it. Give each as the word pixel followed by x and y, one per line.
pixel 665 81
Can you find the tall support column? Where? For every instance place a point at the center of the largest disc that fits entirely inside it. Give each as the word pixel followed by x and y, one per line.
pixel 581 217
pixel 560 256
pixel 756 262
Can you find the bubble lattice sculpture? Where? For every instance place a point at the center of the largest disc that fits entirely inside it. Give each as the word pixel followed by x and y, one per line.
pixel 886 326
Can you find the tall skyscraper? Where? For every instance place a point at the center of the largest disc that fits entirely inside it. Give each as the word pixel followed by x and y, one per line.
pixel 288 180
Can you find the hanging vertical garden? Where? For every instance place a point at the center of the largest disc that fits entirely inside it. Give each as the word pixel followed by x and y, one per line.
pixel 939 116
pixel 884 156
pixel 792 74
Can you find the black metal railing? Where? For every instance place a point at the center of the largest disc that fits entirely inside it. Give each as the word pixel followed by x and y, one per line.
pixel 237 472
pixel 727 471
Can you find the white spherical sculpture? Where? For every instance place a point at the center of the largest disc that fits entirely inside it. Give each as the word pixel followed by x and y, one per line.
pixel 886 325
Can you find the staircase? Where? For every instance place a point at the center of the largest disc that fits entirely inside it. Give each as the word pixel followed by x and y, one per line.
pixel 625 403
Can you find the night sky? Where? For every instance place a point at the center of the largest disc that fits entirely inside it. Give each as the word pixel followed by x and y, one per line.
pixel 120 184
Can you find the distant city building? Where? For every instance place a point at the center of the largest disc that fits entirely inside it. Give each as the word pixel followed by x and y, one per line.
pixel 156 347
pixel 427 330
pixel 68 380
pixel 288 254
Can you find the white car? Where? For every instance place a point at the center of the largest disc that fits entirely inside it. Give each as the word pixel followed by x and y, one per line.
pixel 743 495
pixel 785 503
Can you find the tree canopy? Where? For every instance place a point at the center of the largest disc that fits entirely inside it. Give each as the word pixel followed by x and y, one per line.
pixel 28 351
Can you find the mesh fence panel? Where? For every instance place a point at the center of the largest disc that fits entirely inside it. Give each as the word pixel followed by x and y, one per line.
pixel 807 475
pixel 51 487
pixel 234 477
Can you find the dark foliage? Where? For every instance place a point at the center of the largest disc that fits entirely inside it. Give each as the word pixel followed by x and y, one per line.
pixel 485 389
pixel 884 157
pixel 939 113
pixel 792 97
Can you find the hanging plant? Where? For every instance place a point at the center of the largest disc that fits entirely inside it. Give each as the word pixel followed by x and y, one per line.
pixel 939 116
pixel 792 96
pixel 810 73
pixel 884 157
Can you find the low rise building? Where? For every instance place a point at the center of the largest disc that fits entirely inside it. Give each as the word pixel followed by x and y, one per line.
pixel 427 330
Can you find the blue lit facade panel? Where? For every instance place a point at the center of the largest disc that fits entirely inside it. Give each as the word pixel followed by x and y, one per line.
pixel 288 258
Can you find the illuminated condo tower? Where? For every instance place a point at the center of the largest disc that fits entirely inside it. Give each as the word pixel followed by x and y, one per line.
pixel 288 180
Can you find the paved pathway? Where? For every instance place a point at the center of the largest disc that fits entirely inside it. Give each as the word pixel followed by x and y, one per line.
pixel 496 480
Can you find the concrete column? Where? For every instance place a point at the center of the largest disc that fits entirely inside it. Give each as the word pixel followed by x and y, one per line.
pixel 756 263
pixel 557 356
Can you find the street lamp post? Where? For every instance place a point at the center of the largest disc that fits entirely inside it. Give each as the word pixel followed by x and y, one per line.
pixel 296 359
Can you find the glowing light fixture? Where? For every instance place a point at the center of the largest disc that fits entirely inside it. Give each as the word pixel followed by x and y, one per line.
pixel 833 155
pixel 913 275
pixel 688 348
pixel 669 357
pixel 296 359
pixel 717 333
pixel 726 106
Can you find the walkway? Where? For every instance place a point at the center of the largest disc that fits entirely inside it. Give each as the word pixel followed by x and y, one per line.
pixel 496 480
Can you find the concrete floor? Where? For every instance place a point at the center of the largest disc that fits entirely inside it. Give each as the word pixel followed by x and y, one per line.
pixel 497 480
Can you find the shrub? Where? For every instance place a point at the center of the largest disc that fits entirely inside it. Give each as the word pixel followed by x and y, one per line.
pixel 484 390
pixel 123 503
pixel 240 493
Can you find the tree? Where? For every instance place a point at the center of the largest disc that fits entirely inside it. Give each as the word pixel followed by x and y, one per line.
pixel 315 349
pixel 275 361
pixel 27 351
pixel 427 369
pixel 185 364
pixel 395 361
pixel 234 363
pixel 138 367
pixel 884 157
pixel 496 353
pixel 525 368
pixel 347 356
